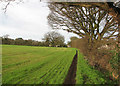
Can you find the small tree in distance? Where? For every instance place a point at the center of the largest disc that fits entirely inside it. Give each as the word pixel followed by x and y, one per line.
pixel 54 39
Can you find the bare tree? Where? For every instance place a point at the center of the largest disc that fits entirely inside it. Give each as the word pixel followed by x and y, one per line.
pixel 5 36
pixel 8 2
pixel 53 39
pixel 90 22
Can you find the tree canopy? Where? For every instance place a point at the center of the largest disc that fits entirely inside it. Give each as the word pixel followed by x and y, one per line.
pixel 91 22
pixel 54 39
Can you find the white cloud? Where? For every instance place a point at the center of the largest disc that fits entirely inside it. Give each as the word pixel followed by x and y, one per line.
pixel 27 20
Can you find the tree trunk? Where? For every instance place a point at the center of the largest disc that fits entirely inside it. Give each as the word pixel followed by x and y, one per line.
pixel 119 45
pixel 119 37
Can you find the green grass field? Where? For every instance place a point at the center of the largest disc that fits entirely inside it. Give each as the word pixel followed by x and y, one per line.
pixel 45 65
pixel 35 65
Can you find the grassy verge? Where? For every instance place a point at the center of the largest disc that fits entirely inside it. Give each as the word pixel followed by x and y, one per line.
pixel 86 74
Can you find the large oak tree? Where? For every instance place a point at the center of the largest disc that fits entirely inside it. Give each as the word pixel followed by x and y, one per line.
pixel 86 21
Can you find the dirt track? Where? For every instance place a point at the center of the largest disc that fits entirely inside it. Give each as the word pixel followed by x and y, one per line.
pixel 70 78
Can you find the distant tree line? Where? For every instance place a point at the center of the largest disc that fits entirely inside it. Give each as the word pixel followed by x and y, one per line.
pixel 20 41
pixel 51 39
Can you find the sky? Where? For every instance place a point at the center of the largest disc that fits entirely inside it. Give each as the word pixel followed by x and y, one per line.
pixel 27 20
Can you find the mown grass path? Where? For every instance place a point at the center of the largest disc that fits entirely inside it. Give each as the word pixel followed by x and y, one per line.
pixel 86 74
pixel 70 78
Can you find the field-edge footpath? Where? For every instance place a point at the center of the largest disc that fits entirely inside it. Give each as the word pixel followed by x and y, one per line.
pixel 70 78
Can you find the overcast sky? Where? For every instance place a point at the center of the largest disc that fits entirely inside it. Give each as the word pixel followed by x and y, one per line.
pixel 27 20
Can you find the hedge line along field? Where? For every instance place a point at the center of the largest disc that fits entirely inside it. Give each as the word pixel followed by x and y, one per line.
pixel 86 74
pixel 35 65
